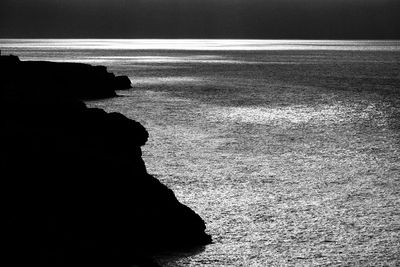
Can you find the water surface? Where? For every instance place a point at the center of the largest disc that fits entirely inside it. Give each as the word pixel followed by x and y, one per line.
pixel 288 149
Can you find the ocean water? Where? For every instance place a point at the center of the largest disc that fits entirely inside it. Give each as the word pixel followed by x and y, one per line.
pixel 288 149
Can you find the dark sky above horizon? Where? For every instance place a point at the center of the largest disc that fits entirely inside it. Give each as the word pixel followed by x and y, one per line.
pixel 269 19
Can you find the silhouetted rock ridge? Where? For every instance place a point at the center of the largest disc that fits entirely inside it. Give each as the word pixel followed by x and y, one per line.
pixel 76 190
pixel 63 79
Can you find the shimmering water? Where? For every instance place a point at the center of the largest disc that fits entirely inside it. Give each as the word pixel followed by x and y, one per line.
pixel 290 150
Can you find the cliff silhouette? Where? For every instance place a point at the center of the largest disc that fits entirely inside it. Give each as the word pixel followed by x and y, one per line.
pixel 76 190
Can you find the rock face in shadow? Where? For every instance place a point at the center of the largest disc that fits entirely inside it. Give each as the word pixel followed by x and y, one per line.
pixel 64 79
pixel 76 190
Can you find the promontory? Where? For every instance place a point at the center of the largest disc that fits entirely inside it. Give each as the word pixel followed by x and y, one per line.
pixel 75 188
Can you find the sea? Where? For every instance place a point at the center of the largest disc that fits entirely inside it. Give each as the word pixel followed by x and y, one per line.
pixel 288 149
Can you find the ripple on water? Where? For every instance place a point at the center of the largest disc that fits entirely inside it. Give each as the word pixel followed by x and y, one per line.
pixel 321 114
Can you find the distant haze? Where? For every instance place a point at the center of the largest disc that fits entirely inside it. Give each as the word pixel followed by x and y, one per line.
pixel 305 19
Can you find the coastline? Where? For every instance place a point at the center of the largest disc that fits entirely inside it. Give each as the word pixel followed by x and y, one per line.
pixel 77 190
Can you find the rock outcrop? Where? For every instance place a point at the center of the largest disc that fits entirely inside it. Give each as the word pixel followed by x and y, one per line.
pixel 75 188
pixel 63 79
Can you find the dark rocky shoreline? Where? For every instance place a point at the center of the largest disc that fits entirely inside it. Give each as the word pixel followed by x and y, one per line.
pixel 76 190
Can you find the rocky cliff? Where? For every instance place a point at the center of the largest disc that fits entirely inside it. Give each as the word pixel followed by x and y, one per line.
pixel 76 190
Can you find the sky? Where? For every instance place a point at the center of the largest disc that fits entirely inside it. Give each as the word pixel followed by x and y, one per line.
pixel 242 19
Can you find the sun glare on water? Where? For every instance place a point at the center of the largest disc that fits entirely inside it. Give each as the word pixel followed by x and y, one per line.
pixel 200 44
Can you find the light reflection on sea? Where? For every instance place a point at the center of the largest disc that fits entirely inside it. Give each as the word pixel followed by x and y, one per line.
pixel 201 44
pixel 290 155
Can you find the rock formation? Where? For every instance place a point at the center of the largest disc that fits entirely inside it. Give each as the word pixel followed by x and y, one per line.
pixel 76 190
pixel 64 79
